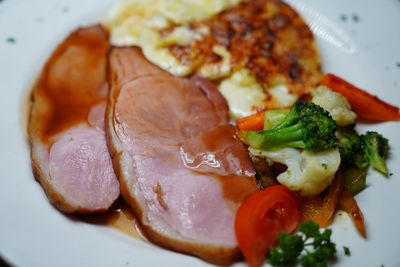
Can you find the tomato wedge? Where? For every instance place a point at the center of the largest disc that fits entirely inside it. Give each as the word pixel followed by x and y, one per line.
pixel 262 217
pixel 367 106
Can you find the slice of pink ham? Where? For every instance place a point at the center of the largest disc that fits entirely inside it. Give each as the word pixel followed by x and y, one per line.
pixel 163 133
pixel 66 130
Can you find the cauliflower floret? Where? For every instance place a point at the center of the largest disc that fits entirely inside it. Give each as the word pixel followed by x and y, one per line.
pixel 308 173
pixel 336 104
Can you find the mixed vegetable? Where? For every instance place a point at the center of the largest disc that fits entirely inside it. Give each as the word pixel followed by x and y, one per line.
pixel 313 162
pixel 262 217
pixel 309 247
pixel 365 105
pixel 306 126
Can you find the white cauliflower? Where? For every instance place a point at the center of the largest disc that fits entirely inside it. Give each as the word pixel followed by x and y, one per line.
pixel 308 173
pixel 336 104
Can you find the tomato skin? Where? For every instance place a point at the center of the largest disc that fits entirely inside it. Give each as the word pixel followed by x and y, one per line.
pixel 261 218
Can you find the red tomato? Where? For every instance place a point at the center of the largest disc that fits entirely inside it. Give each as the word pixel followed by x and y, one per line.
pixel 262 217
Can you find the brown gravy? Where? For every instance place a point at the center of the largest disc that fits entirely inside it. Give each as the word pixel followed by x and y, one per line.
pixel 62 107
pixel 222 164
pixel 70 84
pixel 72 81
pixel 119 216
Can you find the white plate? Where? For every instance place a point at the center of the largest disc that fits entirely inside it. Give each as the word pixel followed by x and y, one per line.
pixel 359 40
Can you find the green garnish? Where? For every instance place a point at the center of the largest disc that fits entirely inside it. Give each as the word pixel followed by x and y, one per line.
pixel 309 247
pixel 355 18
pixel 11 40
pixel 346 251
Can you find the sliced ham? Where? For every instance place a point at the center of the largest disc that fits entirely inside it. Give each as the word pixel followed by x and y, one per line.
pixel 66 130
pixel 180 167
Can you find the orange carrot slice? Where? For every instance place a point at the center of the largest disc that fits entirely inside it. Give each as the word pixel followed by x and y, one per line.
pixel 367 106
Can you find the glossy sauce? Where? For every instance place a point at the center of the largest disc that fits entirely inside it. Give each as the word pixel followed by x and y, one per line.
pixel 72 81
pixel 228 162
pixel 119 216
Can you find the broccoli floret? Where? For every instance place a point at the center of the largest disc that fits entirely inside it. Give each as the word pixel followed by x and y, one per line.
pixel 362 151
pixel 349 144
pixel 375 149
pixel 274 117
pixel 306 126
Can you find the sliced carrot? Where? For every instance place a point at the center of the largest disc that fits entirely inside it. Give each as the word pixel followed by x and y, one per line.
pixel 251 123
pixel 367 106
pixel 349 205
pixel 321 210
pixel 254 122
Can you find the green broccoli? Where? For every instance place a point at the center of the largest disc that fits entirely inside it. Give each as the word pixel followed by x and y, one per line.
pixel 352 161
pixel 357 153
pixel 274 117
pixel 306 126
pixel 349 144
pixel 375 149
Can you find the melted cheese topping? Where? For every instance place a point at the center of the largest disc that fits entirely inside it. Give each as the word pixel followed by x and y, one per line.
pixel 155 25
pixel 282 96
pixel 185 11
pixel 220 69
pixel 243 94
pixel 139 22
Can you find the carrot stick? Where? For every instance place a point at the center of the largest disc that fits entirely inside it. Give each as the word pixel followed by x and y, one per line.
pixel 251 123
pixel 367 106
pixel 349 205
pixel 321 210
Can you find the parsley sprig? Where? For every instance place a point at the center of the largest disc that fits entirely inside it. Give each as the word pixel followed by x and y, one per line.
pixel 309 247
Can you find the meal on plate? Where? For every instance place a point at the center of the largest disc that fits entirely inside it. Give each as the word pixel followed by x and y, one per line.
pixel 213 122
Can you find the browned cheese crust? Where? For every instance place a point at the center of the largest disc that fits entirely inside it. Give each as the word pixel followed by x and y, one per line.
pixel 266 36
